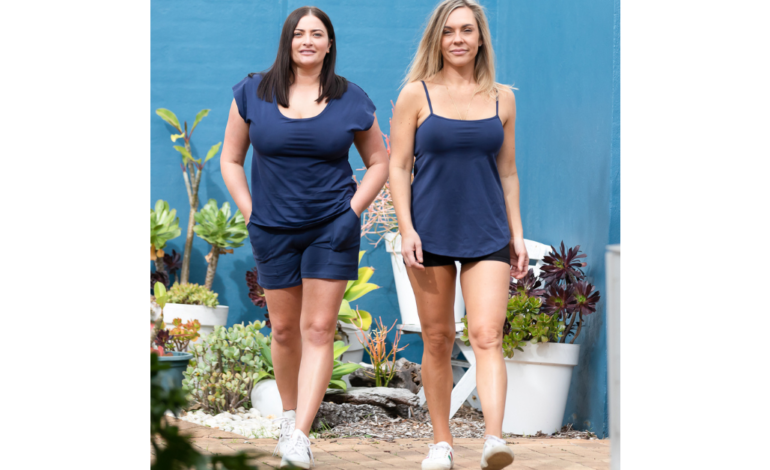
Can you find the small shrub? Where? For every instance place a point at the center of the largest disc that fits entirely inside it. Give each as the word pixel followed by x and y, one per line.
pixel 225 366
pixel 192 294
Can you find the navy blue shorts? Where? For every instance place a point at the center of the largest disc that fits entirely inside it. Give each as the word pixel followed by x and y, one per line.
pixel 327 251
pixel 431 259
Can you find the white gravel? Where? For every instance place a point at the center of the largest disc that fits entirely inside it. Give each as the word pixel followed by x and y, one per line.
pixel 247 423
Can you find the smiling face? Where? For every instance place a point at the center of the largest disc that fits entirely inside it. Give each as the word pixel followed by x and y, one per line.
pixel 460 39
pixel 310 42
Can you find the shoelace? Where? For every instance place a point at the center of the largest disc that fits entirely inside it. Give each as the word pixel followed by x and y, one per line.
pixel 438 451
pixel 287 427
pixel 494 439
pixel 297 444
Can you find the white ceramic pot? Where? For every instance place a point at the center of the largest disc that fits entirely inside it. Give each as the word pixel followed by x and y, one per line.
pixel 266 399
pixel 538 385
pixel 355 352
pixel 406 301
pixel 209 317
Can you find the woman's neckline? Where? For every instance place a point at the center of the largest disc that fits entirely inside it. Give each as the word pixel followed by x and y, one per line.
pixel 328 103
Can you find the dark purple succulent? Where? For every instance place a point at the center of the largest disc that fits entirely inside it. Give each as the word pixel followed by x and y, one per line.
pixel 585 298
pixel 267 320
pixel 162 338
pixel 559 299
pixel 529 285
pixel 158 277
pixel 173 262
pixel 507 328
pixel 256 292
pixel 563 265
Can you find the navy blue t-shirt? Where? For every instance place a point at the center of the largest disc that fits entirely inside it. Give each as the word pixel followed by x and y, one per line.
pixel 300 175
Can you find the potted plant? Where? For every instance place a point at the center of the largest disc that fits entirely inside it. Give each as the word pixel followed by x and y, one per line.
pixel 350 319
pixel 379 220
pixel 225 366
pixel 265 396
pixel 195 302
pixel 164 226
pixel 171 346
pixel 192 169
pixel 543 313
pixel 222 231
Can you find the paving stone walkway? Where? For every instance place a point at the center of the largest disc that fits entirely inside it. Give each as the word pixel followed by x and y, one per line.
pixel 533 454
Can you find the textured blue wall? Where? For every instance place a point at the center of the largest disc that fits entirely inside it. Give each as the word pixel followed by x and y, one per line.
pixel 562 57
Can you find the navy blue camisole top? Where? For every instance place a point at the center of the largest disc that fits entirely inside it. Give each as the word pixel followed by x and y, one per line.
pixel 300 175
pixel 458 207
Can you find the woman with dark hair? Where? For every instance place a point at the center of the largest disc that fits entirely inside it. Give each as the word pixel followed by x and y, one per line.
pixel 304 206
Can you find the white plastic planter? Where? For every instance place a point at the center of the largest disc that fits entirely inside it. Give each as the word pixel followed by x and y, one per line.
pixel 209 317
pixel 266 399
pixel 355 352
pixel 406 301
pixel 538 385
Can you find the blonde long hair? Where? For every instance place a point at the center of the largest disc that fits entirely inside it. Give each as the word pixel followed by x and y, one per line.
pixel 428 60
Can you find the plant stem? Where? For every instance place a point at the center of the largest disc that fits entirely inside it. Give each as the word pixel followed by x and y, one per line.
pixel 580 325
pixel 569 328
pixel 212 269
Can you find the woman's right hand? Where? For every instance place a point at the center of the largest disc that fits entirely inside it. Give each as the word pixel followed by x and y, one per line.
pixel 411 250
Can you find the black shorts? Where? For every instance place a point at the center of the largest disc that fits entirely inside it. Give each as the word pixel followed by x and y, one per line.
pixel 432 260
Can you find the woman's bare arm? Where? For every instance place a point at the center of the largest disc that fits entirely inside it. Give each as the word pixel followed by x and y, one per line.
pixel 231 161
pixel 372 150
pixel 403 126
pixel 506 166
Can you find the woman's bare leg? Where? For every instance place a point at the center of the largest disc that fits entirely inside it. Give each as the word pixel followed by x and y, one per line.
pixel 285 307
pixel 321 299
pixel 434 289
pixel 485 291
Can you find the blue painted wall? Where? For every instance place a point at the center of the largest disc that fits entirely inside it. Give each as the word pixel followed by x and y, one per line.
pixel 562 57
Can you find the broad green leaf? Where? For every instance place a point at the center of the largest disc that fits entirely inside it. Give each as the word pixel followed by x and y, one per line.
pixel 212 151
pixel 169 117
pixel 364 274
pixel 366 320
pixel 267 356
pixel 338 384
pixel 339 348
pixel 345 368
pixel 361 255
pixel 360 290
pixel 185 153
pixel 201 114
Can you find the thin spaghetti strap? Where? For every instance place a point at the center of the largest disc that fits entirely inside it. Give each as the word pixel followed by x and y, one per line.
pixel 427 95
pixel 497 105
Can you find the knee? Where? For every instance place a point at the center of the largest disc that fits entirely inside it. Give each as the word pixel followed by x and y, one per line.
pixel 438 343
pixel 285 333
pixel 486 338
pixel 318 333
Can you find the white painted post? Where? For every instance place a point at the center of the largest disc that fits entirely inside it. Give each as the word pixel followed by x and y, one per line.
pixel 612 260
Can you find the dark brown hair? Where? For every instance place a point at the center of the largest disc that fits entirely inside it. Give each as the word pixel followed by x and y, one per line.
pixel 277 79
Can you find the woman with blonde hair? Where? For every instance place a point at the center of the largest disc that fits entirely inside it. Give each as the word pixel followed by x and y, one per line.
pixel 456 126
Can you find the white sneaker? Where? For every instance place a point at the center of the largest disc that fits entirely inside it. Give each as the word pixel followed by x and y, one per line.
pixel 496 454
pixel 440 457
pixel 286 421
pixel 297 451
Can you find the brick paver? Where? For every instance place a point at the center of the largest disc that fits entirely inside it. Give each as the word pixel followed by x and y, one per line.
pixel 405 454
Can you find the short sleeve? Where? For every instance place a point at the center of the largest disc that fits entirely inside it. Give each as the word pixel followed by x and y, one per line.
pixel 239 93
pixel 363 108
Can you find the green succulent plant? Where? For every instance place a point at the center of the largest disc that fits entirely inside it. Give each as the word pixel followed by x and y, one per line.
pixel 164 226
pixel 191 294
pixel 355 290
pixel 525 323
pixel 192 169
pixel 225 366
pixel 222 231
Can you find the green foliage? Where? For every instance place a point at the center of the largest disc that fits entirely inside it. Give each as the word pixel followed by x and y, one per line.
pixel 164 225
pixel 525 323
pixel 225 366
pixel 169 117
pixel 161 296
pixel 218 228
pixel 355 290
pixel 341 369
pixel 173 450
pixel 190 294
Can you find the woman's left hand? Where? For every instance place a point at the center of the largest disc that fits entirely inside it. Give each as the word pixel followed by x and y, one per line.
pixel 519 258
